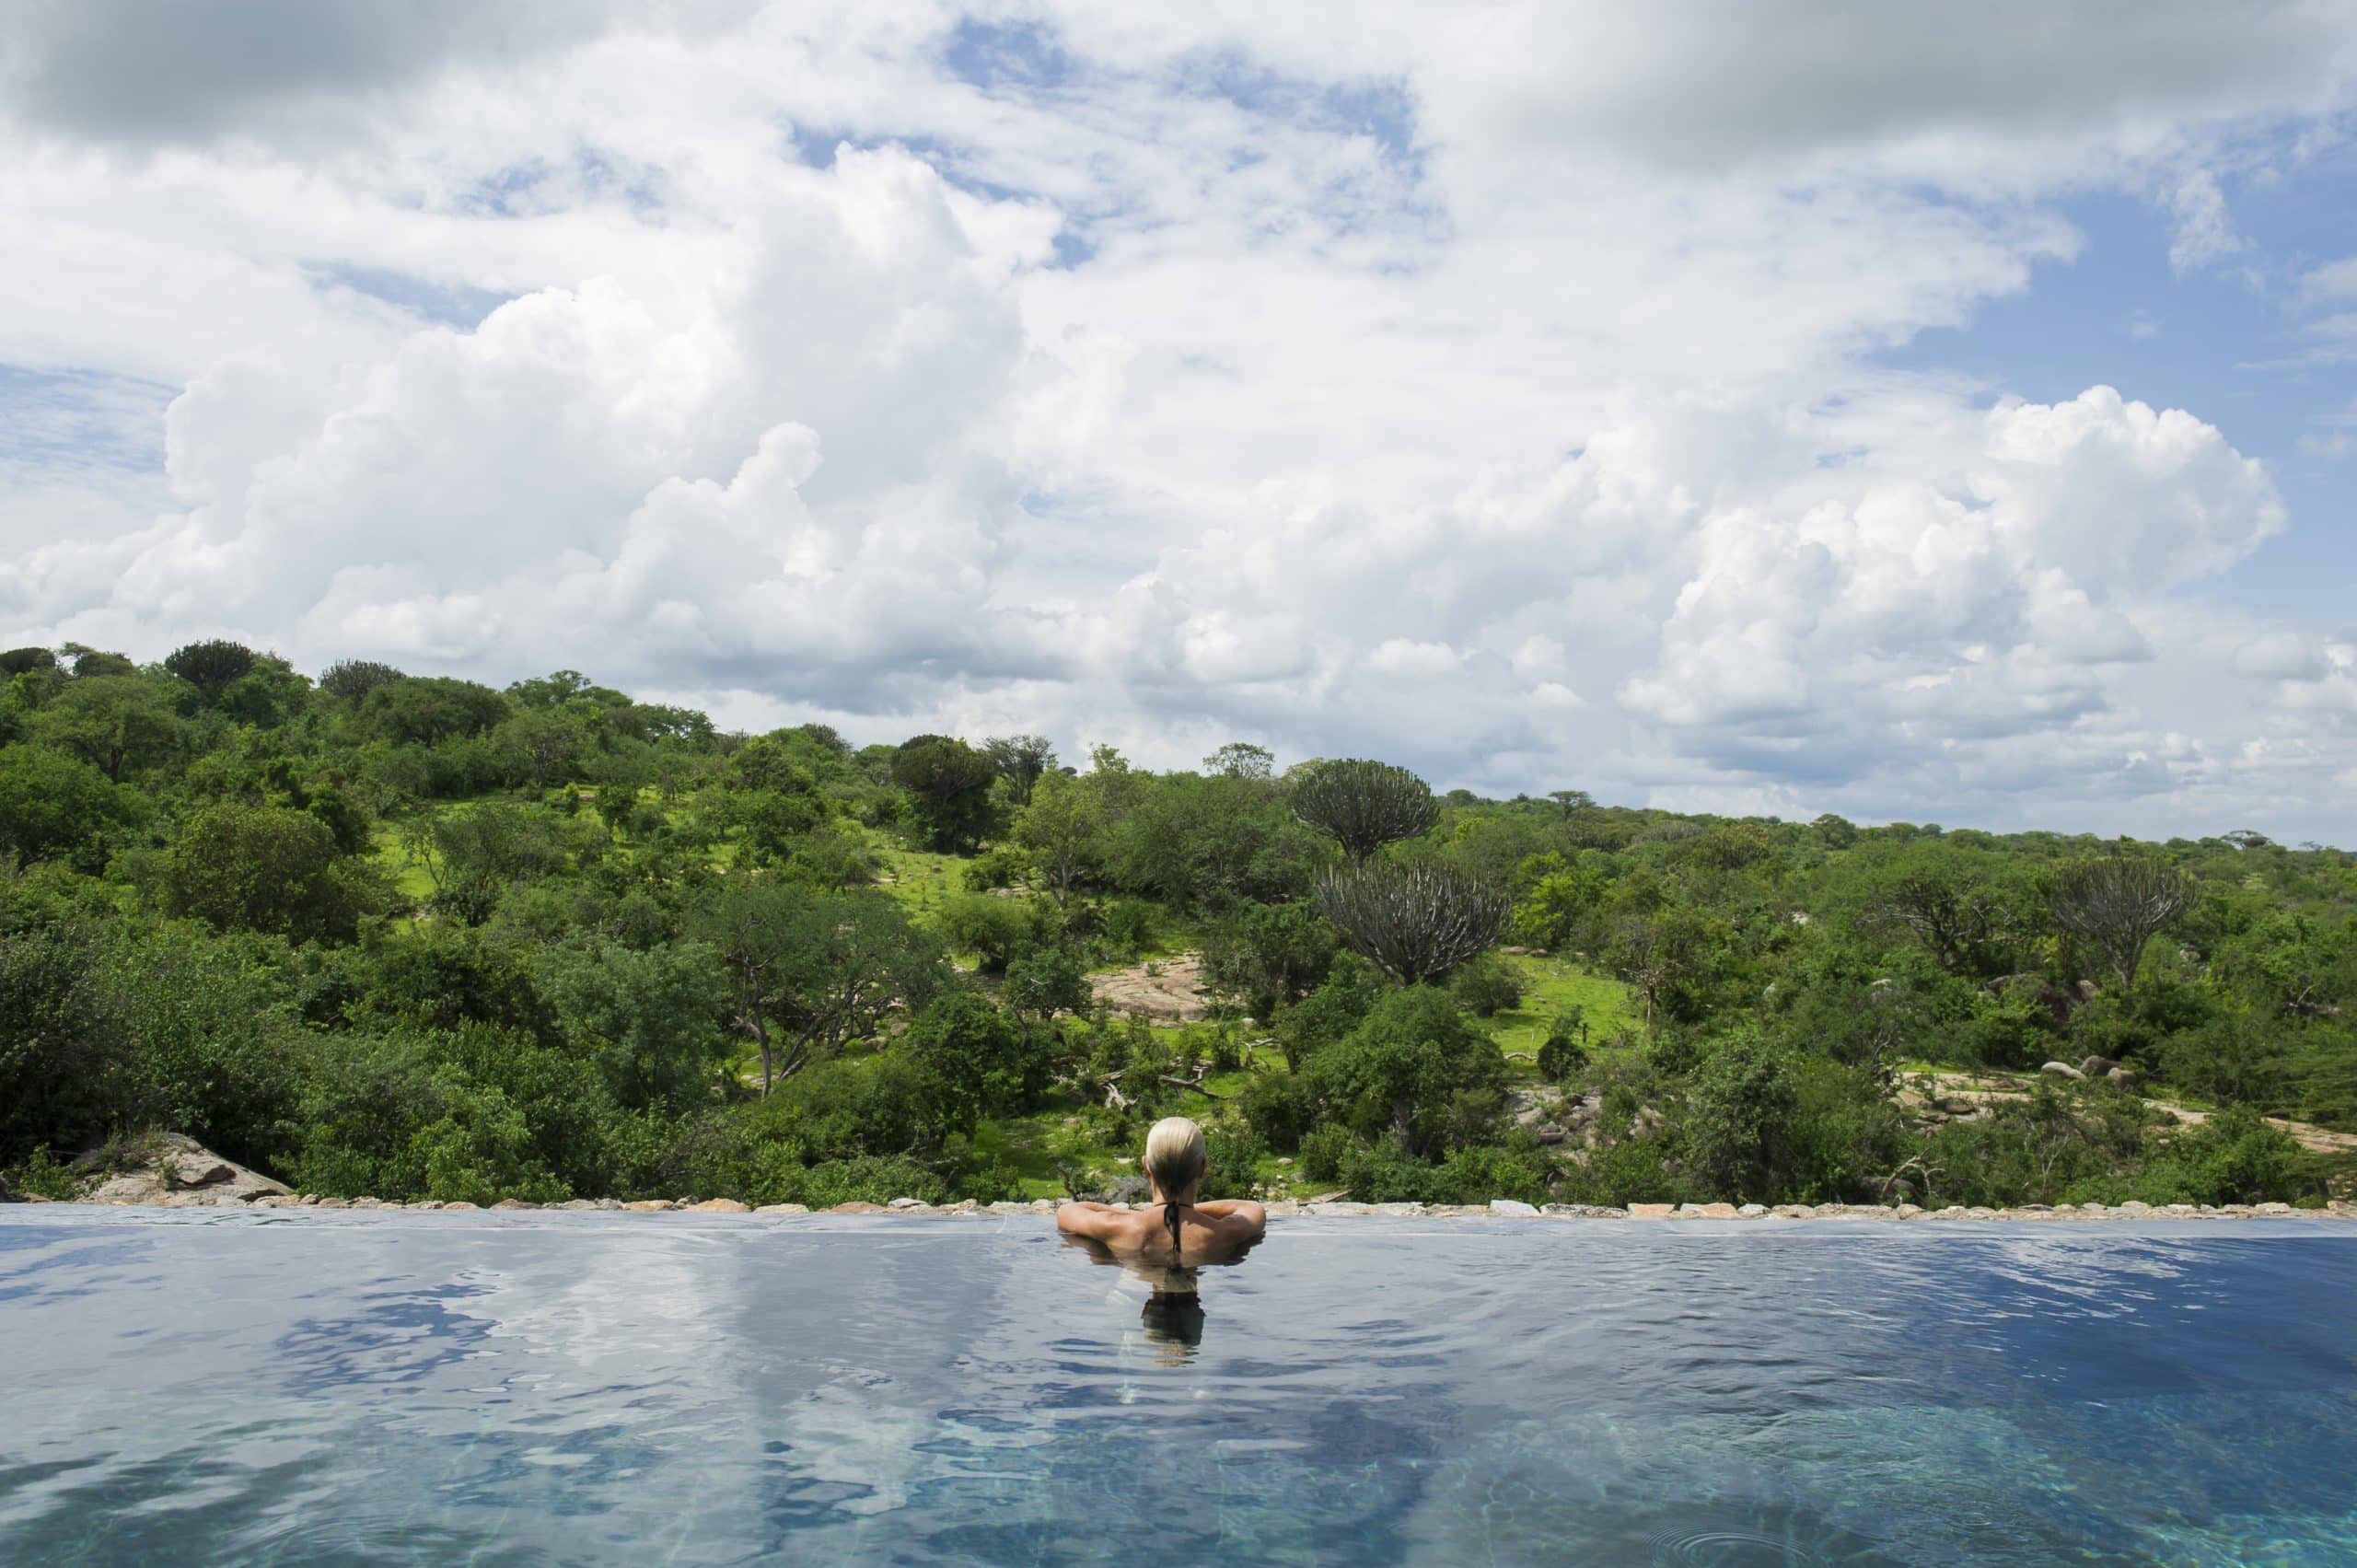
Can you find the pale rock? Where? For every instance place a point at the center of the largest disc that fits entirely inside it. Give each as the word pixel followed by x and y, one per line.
pixel 1908 1211
pixel 1752 1211
pixel 647 1206
pixel 718 1207
pixel 782 1209
pixel 1652 1211
pixel 1509 1206
pixel 446 1208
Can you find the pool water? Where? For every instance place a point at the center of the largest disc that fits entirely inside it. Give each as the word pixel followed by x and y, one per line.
pixel 188 1386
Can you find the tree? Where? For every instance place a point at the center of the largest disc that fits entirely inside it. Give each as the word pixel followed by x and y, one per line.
pixel 425 710
pixel 1364 805
pixel 89 661
pixel 1405 1071
pixel 1064 828
pixel 53 804
pixel 812 971
pixel 1654 951
pixel 1272 954
pixel 2117 904
pixel 1241 759
pixel 648 1019
pixel 210 666
pixel 1020 760
pixel 16 661
pixel 259 868
pixel 985 1058
pixel 349 680
pixel 949 784
pixel 1570 800
pixel 1949 900
pixel 119 724
pixel 1415 923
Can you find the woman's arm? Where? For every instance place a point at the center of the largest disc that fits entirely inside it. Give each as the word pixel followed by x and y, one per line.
pixel 1243 1211
pixel 1084 1218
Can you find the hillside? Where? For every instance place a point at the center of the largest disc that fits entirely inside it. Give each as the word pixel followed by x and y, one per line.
pixel 418 937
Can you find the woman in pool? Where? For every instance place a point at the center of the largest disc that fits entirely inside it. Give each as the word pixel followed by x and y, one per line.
pixel 1172 1227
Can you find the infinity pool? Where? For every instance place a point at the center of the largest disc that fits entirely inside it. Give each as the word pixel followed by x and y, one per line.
pixel 183 1387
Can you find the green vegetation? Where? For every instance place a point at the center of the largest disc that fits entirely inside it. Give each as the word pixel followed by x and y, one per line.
pixel 414 936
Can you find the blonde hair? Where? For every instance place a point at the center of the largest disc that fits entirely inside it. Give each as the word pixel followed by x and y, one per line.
pixel 1174 1159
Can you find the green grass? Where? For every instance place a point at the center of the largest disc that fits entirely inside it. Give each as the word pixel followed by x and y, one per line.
pixel 1552 986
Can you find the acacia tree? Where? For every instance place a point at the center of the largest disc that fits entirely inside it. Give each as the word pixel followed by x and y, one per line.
pixel 2117 904
pixel 811 970
pixel 1364 805
pixel 1020 761
pixel 1415 923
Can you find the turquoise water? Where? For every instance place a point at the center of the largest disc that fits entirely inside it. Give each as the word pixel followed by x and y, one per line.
pixel 183 1386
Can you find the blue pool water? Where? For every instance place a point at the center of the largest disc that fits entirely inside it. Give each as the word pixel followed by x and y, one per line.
pixel 183 1386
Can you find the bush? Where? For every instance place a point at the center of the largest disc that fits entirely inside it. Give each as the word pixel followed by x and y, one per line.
pixel 1235 1152
pixel 994 929
pixel 1486 987
pixel 975 1048
pixel 1279 1107
pixel 1326 1151
pixel 1403 1074
pixel 1562 1058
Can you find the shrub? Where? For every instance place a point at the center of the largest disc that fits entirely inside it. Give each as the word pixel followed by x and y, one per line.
pixel 992 928
pixel 978 1052
pixel 1486 987
pixel 1279 1107
pixel 1403 1072
pixel 1561 1057
pixel 1326 1150
pixel 1235 1152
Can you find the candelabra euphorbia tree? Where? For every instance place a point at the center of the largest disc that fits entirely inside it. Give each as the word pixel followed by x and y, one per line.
pixel 1364 805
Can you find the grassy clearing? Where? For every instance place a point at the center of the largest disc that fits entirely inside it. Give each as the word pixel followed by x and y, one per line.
pixel 1550 987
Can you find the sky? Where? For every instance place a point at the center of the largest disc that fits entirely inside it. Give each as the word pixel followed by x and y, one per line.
pixel 1943 412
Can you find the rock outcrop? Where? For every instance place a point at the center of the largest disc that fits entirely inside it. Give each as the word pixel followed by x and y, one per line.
pixel 178 1171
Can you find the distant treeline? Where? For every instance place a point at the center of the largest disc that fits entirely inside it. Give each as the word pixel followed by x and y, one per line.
pixel 414 936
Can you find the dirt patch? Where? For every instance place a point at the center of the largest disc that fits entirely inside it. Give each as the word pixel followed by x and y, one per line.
pixel 1162 991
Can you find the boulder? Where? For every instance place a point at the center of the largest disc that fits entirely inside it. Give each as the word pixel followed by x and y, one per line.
pixel 719 1206
pixel 647 1206
pixel 789 1209
pixel 514 1204
pixel 857 1206
pixel 1752 1211
pixel 904 1205
pixel 1511 1207
pixel 172 1165
pixel 1706 1212
pixel 2123 1074
pixel 1652 1211
pixel 2060 1070
pixel 2097 1067
pixel 455 1203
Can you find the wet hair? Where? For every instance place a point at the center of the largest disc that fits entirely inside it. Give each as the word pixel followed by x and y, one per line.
pixel 1174 1162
